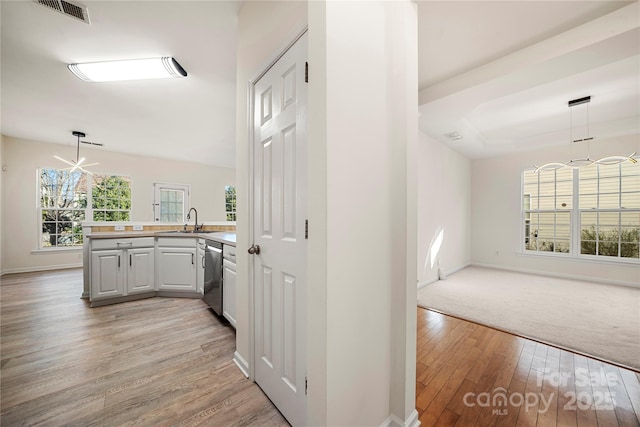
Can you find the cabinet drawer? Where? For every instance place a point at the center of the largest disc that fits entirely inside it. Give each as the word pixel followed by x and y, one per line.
pixel 122 243
pixel 177 242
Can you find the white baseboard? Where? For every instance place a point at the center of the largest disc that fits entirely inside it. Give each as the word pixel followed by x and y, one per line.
pixel 446 273
pixel 393 421
pixel 559 275
pixel 40 268
pixel 241 363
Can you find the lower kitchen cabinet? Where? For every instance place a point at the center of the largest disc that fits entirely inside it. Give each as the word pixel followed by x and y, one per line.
pixel 229 291
pixel 107 276
pixel 176 270
pixel 140 272
pixel 121 267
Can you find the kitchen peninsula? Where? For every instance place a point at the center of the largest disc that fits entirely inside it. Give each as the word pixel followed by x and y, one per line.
pixel 133 261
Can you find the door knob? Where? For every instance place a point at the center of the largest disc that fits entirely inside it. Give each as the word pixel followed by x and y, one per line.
pixel 254 249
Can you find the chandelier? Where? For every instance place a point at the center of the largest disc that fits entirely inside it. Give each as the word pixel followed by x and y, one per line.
pixel 585 161
pixel 78 164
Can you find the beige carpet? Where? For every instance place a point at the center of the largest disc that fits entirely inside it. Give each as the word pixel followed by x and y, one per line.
pixel 593 319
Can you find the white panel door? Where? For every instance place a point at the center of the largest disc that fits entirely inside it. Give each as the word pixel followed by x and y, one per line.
pixel 280 206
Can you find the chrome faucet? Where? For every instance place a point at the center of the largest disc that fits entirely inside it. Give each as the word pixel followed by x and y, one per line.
pixel 196 227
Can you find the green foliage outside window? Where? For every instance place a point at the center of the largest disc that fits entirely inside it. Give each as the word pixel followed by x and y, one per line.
pixel 111 198
pixel 230 202
pixel 608 243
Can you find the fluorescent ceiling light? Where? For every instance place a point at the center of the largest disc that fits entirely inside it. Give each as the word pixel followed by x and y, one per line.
pixel 135 69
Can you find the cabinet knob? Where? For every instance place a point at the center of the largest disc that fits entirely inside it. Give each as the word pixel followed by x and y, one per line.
pixel 254 250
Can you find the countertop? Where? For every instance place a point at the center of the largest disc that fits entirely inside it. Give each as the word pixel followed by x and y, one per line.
pixel 225 237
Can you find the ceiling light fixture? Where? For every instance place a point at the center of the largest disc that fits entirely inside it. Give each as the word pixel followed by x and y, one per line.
pixel 135 69
pixel 586 161
pixel 79 162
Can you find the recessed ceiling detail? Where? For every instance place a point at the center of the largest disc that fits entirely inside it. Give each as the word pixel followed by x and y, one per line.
pixel 73 10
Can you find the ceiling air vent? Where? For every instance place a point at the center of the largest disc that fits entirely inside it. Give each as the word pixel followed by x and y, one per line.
pixel 73 10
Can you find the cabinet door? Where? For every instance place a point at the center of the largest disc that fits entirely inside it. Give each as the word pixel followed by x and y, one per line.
pixel 140 272
pixel 177 269
pixel 107 274
pixel 229 292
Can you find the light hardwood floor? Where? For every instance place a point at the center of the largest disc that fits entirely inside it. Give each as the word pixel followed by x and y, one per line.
pixel 167 361
pixel 154 362
pixel 544 386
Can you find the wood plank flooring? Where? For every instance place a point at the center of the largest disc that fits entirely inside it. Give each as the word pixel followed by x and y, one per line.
pixel 168 362
pixel 154 362
pixel 472 375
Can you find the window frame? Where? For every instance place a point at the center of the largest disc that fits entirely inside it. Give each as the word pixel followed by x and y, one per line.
pixel 575 215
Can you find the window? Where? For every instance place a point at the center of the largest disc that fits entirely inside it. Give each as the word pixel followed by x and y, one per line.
pixel 230 202
pixel 68 198
pixel 547 200
pixel 63 204
pixel 170 202
pixel 111 198
pixel 610 210
pixel 590 211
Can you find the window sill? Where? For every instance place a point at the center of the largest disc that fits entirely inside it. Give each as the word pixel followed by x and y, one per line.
pixel 56 250
pixel 582 258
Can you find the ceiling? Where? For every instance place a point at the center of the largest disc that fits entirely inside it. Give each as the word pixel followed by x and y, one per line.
pixel 498 73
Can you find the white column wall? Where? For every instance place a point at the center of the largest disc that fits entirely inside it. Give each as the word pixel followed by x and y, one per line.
pixel 363 52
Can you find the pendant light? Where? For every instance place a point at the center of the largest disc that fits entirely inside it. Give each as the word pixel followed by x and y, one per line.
pixel 586 161
pixel 78 164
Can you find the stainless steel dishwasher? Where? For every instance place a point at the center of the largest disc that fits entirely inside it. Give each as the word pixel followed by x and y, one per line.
pixel 213 275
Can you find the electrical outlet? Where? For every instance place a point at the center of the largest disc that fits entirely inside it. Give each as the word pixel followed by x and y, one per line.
pixel 137 228
pixel 118 227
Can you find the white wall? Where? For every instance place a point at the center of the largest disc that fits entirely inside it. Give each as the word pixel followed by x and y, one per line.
pixel 19 194
pixel 444 200
pixel 363 132
pixel 495 215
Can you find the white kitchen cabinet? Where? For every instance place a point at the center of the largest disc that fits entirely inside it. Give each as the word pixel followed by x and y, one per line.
pixel 121 267
pixel 107 276
pixel 140 273
pixel 229 284
pixel 176 270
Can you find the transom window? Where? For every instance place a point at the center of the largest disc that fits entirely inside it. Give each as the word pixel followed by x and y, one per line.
pixel 590 211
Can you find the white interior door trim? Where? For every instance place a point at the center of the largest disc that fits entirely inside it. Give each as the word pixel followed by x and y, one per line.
pixel 251 111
